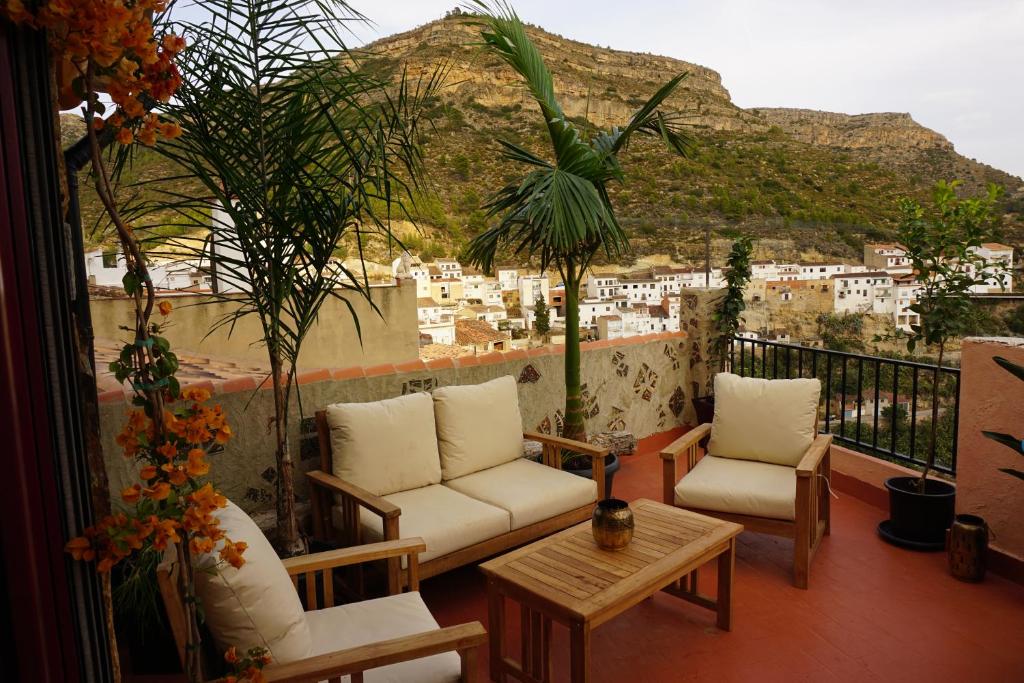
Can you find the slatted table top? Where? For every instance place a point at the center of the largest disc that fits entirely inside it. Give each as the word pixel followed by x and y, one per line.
pixel 570 575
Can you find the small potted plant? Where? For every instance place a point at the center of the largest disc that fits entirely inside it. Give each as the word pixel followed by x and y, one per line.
pixel 727 317
pixel 942 247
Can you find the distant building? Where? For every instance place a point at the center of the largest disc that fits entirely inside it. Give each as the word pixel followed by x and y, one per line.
pixel 508 278
pixel 448 268
pixel 480 336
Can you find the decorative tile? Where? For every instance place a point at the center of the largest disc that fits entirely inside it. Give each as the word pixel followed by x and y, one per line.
pixel 673 357
pixel 256 495
pixel 645 383
pixel 529 375
pixel 545 425
pixel 617 422
pixel 415 386
pixel 677 402
pixel 662 415
pixel 559 422
pixel 269 475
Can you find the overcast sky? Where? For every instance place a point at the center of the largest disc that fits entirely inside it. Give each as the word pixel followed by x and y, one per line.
pixel 956 66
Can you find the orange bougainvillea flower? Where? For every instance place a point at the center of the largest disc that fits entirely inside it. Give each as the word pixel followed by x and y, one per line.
pixel 125 136
pixel 165 307
pixel 175 474
pixel 159 491
pixel 223 435
pixel 168 450
pixel 131 494
pixel 231 655
pixel 232 553
pixel 197 464
pixel 148 472
pixel 80 548
pixel 197 394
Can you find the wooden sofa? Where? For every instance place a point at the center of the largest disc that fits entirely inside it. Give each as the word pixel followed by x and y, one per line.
pixel 479 479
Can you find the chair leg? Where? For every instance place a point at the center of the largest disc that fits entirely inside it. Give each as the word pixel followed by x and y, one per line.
pixel 826 506
pixel 802 538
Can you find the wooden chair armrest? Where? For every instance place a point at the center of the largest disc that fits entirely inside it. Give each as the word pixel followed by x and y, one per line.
pixel 812 458
pixel 333 665
pixel 343 557
pixel 568 444
pixel 368 500
pixel 680 445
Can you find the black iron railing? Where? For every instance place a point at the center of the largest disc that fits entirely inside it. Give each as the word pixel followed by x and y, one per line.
pixel 872 404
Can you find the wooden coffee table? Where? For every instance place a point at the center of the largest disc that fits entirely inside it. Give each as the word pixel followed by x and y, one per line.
pixel 568 579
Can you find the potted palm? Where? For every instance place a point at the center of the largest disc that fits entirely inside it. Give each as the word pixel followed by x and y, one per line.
pixel 942 245
pixel 727 317
pixel 560 211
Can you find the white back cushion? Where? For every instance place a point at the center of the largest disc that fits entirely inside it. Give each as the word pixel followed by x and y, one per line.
pixel 385 446
pixel 256 604
pixel 767 420
pixel 478 426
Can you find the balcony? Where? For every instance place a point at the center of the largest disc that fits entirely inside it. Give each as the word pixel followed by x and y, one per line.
pixel 873 612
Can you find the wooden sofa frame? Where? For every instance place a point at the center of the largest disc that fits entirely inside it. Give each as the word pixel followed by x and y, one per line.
pixel 466 639
pixel 813 511
pixel 324 486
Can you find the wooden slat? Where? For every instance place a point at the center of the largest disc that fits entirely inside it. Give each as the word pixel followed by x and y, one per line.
pixel 567 572
pixel 310 591
pixel 535 576
pixel 598 570
pixel 328 578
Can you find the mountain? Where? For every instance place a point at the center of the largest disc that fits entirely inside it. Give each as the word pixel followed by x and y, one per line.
pixel 807 183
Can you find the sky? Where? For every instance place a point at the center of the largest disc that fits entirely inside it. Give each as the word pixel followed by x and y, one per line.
pixel 957 67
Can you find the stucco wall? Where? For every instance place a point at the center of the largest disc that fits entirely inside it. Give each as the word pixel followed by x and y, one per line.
pixel 390 336
pixel 991 399
pixel 639 384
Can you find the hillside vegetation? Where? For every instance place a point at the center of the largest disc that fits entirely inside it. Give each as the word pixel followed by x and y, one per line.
pixel 808 183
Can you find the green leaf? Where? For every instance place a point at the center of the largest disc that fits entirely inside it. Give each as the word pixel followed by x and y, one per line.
pixel 131 283
pixel 1005 439
pixel 1012 472
pixel 1011 367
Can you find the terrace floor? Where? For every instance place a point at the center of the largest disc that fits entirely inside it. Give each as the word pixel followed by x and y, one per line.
pixel 873 613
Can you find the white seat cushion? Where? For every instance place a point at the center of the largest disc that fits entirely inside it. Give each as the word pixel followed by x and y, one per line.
pixel 478 426
pixel 531 492
pixel 371 621
pixel 385 446
pixel 255 604
pixel 760 419
pixel 445 519
pixel 743 487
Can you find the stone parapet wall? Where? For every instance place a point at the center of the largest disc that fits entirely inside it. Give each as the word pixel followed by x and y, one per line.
pixel 640 384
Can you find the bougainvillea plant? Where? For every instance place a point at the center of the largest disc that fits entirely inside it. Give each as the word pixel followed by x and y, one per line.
pixel 112 47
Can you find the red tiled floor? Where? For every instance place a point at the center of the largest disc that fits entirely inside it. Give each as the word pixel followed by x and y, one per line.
pixel 873 613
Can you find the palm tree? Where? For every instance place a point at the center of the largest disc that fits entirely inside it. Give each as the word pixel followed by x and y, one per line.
pixel 294 148
pixel 560 210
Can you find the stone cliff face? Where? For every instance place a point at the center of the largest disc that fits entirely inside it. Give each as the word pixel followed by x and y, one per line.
pixel 601 84
pixel 854 131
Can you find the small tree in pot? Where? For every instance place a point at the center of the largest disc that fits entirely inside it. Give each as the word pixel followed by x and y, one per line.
pixel 727 317
pixel 942 245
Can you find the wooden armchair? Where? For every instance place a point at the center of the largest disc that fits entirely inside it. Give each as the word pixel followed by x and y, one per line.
pixel 762 496
pixel 465 639
pixel 338 505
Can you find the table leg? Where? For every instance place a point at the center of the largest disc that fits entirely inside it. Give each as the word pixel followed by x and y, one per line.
pixel 726 569
pixel 496 628
pixel 579 637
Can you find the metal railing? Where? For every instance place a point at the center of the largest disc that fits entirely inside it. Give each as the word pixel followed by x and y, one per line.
pixel 875 405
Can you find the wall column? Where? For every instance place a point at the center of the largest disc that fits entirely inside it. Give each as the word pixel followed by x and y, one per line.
pixel 697 320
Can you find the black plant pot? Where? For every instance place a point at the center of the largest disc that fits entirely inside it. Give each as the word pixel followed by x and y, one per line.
pixel 611 466
pixel 704 407
pixel 918 520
